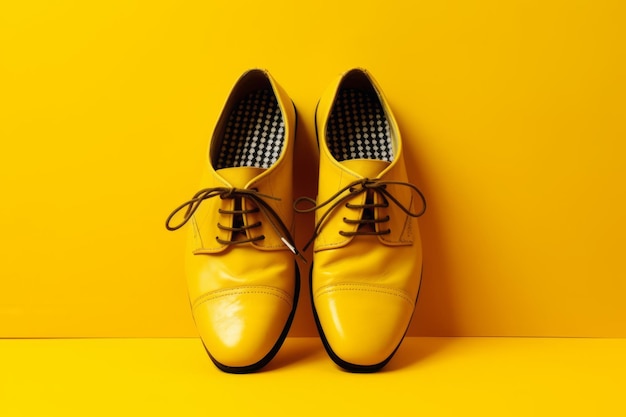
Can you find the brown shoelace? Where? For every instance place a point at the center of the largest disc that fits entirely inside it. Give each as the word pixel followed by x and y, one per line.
pixel 365 185
pixel 237 194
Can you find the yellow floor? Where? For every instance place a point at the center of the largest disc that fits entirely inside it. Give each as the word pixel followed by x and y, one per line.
pixel 428 377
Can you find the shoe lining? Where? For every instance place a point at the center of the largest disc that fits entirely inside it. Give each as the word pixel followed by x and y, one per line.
pixel 358 128
pixel 254 134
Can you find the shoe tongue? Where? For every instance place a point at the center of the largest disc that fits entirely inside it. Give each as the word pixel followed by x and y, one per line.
pixel 367 168
pixel 238 177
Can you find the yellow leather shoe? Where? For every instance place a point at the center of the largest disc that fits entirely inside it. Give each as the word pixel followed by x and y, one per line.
pixel 367 250
pixel 241 274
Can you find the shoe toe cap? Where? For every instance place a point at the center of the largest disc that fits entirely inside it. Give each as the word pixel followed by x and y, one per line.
pixel 363 325
pixel 241 327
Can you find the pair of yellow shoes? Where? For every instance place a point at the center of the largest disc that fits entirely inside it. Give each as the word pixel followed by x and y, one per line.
pixel 242 276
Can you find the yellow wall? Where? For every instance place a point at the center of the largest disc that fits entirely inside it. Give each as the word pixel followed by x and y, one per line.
pixel 513 113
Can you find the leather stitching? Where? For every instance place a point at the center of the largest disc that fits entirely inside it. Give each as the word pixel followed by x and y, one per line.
pixel 365 288
pixel 283 295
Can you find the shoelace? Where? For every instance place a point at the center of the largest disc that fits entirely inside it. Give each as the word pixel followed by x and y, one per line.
pixel 355 188
pixel 237 193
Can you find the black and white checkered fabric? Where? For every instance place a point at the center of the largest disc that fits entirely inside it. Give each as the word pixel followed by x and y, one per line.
pixel 254 133
pixel 358 128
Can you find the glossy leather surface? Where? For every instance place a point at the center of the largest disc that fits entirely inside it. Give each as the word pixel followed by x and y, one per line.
pixel 364 287
pixel 243 296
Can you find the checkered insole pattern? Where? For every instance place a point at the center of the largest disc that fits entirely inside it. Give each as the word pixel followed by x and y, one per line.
pixel 254 133
pixel 358 128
